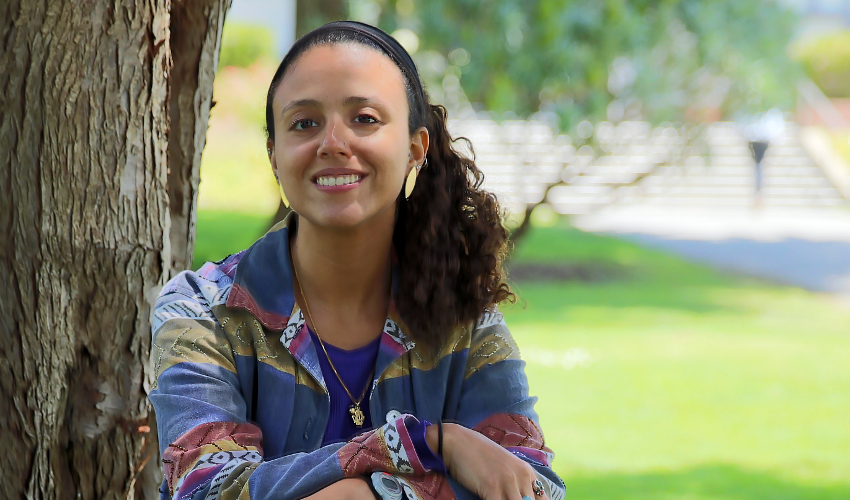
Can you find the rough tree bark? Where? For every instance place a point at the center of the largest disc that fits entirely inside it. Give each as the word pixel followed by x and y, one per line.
pixel 97 194
pixel 195 42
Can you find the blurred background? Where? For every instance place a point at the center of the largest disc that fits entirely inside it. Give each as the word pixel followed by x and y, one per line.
pixel 677 178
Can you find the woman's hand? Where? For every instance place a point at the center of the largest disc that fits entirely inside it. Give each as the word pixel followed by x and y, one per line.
pixel 482 466
pixel 352 488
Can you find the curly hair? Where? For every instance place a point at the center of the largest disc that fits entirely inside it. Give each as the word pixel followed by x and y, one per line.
pixel 449 236
pixel 450 241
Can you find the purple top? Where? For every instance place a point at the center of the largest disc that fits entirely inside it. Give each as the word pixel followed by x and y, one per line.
pixel 354 367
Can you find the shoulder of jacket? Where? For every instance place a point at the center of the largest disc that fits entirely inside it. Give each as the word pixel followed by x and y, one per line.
pixel 212 281
pixel 194 294
pixel 491 342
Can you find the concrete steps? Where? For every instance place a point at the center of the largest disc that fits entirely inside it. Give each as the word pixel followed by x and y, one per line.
pixel 634 164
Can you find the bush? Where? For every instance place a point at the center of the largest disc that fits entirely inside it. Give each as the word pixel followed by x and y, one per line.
pixel 243 44
pixel 826 60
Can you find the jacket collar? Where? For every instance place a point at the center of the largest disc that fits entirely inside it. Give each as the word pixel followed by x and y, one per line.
pixel 263 281
pixel 263 285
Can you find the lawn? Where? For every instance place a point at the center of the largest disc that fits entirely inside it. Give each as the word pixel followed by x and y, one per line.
pixel 676 381
pixel 662 379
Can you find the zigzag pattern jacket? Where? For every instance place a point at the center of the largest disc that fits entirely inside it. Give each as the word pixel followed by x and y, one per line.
pixel 241 403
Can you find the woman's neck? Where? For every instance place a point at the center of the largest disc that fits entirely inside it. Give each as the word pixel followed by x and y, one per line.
pixel 345 275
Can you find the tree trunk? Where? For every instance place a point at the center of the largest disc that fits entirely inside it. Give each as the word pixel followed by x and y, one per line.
pixel 310 14
pixel 520 231
pixel 87 234
pixel 195 42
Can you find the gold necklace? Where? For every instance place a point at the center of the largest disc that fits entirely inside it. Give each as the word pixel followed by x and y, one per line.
pixel 357 414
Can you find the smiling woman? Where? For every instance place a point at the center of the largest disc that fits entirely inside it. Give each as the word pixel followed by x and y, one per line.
pixel 341 146
pixel 314 362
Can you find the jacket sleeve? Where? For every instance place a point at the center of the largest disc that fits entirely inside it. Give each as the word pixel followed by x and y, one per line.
pixel 208 447
pixel 495 400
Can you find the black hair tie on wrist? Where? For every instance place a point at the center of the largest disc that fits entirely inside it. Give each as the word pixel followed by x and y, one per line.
pixel 440 438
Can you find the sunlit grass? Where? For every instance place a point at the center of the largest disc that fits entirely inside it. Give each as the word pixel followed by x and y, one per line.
pixel 692 384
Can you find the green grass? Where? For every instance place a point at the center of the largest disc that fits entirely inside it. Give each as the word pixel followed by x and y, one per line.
pixel 674 381
pixel 694 384
pixel 220 233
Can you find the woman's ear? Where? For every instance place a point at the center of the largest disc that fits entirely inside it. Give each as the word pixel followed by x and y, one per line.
pixel 419 143
pixel 270 151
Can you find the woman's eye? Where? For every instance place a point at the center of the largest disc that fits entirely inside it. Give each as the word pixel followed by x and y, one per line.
pixel 302 124
pixel 368 119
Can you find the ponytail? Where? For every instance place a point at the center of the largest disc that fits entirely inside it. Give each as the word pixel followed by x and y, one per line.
pixel 450 241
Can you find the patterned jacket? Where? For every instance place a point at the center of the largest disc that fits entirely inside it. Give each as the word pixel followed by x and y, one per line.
pixel 241 403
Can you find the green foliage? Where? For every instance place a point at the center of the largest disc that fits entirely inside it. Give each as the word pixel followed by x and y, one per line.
pixel 826 60
pixel 244 44
pixel 675 58
pixel 310 14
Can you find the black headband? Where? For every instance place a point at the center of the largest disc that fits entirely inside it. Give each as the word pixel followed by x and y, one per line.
pixel 388 44
pixel 368 35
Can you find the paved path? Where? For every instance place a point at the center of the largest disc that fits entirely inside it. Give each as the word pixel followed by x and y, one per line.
pixel 806 249
pixel 814 265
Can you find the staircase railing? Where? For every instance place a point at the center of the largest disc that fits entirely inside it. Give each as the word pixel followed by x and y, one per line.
pixel 815 99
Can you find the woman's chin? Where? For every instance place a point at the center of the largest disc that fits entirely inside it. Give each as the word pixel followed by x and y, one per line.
pixel 345 217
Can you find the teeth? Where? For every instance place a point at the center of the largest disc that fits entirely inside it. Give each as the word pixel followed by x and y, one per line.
pixel 340 180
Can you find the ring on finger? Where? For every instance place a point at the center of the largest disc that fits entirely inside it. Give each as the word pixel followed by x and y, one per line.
pixel 537 487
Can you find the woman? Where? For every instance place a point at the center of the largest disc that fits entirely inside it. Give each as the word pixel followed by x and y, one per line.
pixel 315 362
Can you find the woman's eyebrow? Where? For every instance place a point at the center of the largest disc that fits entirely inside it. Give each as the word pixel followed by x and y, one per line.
pixel 301 102
pixel 360 100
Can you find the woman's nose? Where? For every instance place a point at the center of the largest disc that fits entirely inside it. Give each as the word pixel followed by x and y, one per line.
pixel 334 141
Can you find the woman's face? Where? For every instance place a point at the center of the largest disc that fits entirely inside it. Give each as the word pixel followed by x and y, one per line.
pixel 342 146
